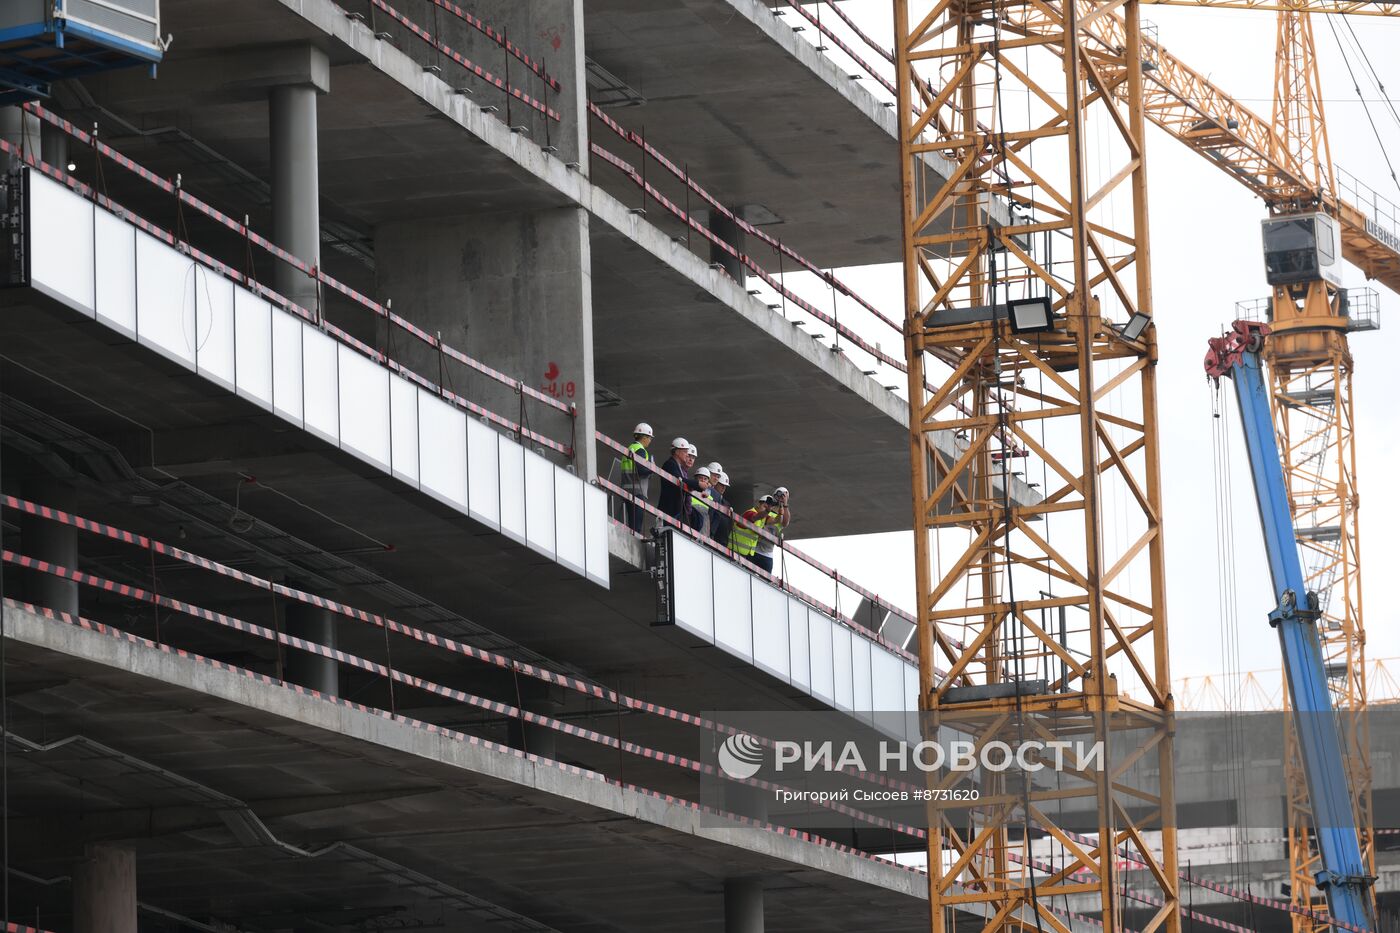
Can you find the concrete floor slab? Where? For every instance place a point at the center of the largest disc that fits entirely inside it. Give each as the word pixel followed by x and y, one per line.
pixel 526 835
pixel 174 427
pixel 397 143
pixel 760 117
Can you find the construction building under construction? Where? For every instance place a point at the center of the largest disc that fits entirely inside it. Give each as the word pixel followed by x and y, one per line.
pixel 324 340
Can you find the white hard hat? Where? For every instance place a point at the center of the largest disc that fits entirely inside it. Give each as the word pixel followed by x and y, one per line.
pixel 715 467
pixel 643 428
pixel 694 451
pixel 680 443
pixel 723 478
pixel 702 472
pixel 781 491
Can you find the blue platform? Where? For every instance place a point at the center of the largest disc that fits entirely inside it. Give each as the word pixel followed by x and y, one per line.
pixel 44 41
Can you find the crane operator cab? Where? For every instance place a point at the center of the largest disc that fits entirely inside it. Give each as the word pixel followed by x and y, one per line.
pixel 1302 248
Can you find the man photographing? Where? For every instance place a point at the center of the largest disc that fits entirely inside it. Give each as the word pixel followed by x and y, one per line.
pixel 776 516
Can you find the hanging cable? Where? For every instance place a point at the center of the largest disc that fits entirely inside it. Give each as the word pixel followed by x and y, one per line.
pixel 1231 694
pixel 1374 75
pixel 4 716
pixel 1356 86
pixel 1003 432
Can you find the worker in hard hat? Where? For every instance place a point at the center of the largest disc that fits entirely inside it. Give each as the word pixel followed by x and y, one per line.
pixel 636 479
pixel 775 522
pixel 699 503
pixel 692 453
pixel 720 523
pixel 743 539
pixel 672 500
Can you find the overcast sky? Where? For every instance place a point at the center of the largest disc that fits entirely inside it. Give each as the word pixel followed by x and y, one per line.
pixel 1206 256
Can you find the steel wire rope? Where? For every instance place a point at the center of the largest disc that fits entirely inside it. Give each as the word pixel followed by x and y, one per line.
pixel 1118 493
pixel 1229 625
pixel 1230 644
pixel 4 682
pixel 1236 712
pixel 1221 582
pixel 1220 478
pixel 1375 75
pixel 1048 241
pixel 1356 86
pixel 999 151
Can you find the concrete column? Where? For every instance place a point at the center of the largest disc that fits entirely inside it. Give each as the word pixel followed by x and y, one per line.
pixel 513 290
pixel 51 541
pixel 730 232
pixel 318 673
pixel 743 905
pixel 296 185
pixel 537 740
pixel 104 891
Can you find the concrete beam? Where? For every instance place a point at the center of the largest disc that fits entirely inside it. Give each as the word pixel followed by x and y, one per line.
pixel 224 76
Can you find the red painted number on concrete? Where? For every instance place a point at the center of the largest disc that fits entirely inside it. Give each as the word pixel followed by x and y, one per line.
pixel 553 386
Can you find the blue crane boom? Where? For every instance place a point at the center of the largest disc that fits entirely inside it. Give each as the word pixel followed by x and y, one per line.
pixel 1343 876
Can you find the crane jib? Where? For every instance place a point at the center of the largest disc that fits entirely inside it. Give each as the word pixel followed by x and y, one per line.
pixel 1382 235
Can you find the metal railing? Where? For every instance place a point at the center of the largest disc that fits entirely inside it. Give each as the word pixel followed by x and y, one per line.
pixel 536 98
pixel 845 592
pixel 1363 309
pixel 829 35
pixel 1380 210
pixel 596 728
pixel 595 722
pixel 814 17
pixel 326 286
pixel 787 298
pixel 1360 306
pixel 781 250
pixel 780 296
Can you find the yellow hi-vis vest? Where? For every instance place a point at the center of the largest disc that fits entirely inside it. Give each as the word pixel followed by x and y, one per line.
pixel 635 452
pixel 699 503
pixel 743 541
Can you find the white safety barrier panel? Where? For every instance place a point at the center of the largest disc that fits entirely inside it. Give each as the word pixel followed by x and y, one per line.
pixel 137 285
pixel 719 602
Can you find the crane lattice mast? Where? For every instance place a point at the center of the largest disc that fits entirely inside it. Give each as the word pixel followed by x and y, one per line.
pixel 1025 236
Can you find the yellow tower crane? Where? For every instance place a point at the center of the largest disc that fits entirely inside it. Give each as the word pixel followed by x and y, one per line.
pixel 1023 270
pixel 1053 368
pixel 1286 160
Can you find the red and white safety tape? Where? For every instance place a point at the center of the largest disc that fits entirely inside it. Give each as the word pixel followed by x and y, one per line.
pixel 501 39
pixel 482 73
